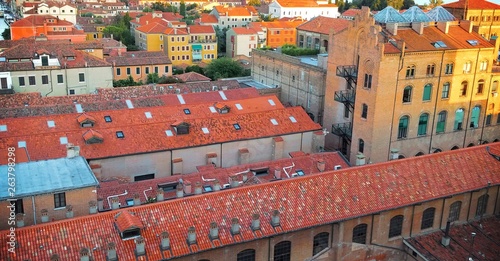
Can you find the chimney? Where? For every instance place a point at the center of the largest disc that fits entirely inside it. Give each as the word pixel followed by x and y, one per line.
pixel 235 226
pixel 115 203
pixel 445 241
pixel 216 185
pixel 179 191
pixel 165 240
pixel 394 154
pixel 234 181
pixel 275 218
pixel 160 195
pixel 255 221
pixel 277 173
pixel 197 188
pixel 20 219
pixel 69 211
pixel 191 236
pixel 72 151
pixel 45 215
pixel 120 52
pixel 360 159
pixel 111 253
pixel 214 231
pixel 55 257
pixel 137 199
pixel 92 207
pixel 187 187
pixel 100 204
pixel 443 26
pixel 84 254
pixel 140 246
pixel 392 28
pixel 321 165
pixel 244 177
pixel 418 27
pixel 466 25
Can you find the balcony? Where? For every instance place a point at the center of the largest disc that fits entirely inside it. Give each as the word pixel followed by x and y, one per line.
pixel 6 91
pixel 203 41
pixel 342 130
pixel 346 96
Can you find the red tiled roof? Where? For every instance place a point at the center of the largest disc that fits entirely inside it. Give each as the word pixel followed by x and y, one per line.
pixel 208 19
pixel 351 12
pixel 39 20
pixel 302 202
pixel 323 25
pixel 139 58
pixel 152 28
pixel 84 118
pixel 236 10
pixel 92 135
pixel 201 29
pixel 175 31
pixel 125 220
pixel 144 135
pixel 192 77
pixel 472 4
pixel 243 30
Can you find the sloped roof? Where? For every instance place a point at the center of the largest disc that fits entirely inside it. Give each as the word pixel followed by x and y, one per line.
pixel 472 4
pixel 201 29
pixel 208 19
pixel 323 25
pixel 125 220
pixel 415 14
pixel 302 3
pixel 192 77
pixel 236 10
pixel 139 58
pixel 302 202
pixel 439 14
pixel 39 20
pixel 152 28
pixel 389 15
pixel 243 30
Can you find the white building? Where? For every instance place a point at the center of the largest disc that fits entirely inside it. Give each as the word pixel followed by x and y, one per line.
pixel 307 9
pixel 62 11
pixel 241 41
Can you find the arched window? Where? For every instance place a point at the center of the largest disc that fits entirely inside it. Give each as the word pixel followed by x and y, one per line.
pixel 246 255
pixel 282 251
pixel 445 93
pixel 396 226
pixel 455 211
pixel 320 242
pixel 410 71
pixel 361 146
pixel 428 218
pixel 359 234
pixel 470 145
pixel 419 154
pixel 482 204
pixel 480 86
pixel 403 127
pixel 430 69
pixel 459 118
pixel 422 124
pixel 474 119
pixel 441 122
pixel 455 148
pixel 427 92
pixel 463 88
pixel 407 94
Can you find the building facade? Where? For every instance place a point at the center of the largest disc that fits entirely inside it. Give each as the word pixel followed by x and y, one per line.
pixel 139 65
pixel 484 15
pixel 241 41
pixel 236 16
pixel 47 26
pixel 315 34
pixel 388 92
pixel 304 9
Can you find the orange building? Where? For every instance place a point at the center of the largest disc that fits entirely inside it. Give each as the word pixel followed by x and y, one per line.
pixel 277 33
pixel 48 26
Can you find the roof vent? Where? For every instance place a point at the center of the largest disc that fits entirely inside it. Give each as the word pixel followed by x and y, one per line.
pixel 197 188
pixel 111 252
pixel 181 127
pixel 179 192
pixel 84 254
pixel 337 167
pixel 72 151
pixel 140 249
pixel 275 218
pixel 235 226
pixel 321 165
pixel 214 231
pixel 217 186
pixel 191 239
pixel 165 240
pixel 255 222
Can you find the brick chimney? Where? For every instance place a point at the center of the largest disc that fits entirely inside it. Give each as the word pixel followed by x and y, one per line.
pixel 275 218
pixel 179 191
pixel 255 221
pixel 45 215
pixel 160 195
pixel 137 199
pixel 84 254
pixel 466 25
pixel 191 239
pixel 140 246
pixel 165 240
pixel 111 252
pixel 443 26
pixel 92 207
pixel 69 211
pixel 214 231
pixel 235 226
pixel 320 164
pixel 197 188
pixel 418 27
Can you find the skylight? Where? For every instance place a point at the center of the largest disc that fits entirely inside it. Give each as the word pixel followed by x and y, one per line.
pixel 222 95
pixel 107 119
pixel 439 44
pixel 120 135
pixel 21 144
pixel 205 130
pixel 274 121
pixel 78 108
pixel 238 106
pixel 3 127
pixel 169 133
pixel 148 115
pixel 63 140
pixel 300 172
pixel 292 119
pixel 129 104
pixel 473 42
pixel 181 100
pixel 271 102
pixel 236 126
pixel 51 124
pixel 187 111
pixel 212 109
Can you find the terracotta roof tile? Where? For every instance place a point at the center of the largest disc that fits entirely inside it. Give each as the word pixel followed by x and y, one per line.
pixel 472 4
pixel 192 77
pixel 201 29
pixel 236 10
pixel 351 12
pixel 323 25
pixel 208 19
pixel 125 220
pixel 375 188
pixel 139 58
pixel 39 20
pixel 243 30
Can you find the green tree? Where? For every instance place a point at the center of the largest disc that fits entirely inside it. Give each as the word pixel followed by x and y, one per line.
pixel 221 38
pixel 153 78
pixel 223 68
pixel 341 5
pixel 254 2
pixel 177 70
pixel 434 3
pixel 195 68
pixel 88 14
pixel 6 34
pixel 182 8
pixel 408 3
pixel 397 4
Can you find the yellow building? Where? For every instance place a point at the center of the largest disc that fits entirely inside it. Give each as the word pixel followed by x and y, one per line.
pixel 139 64
pixel 177 47
pixel 485 16
pixel 203 43
pixel 149 37
pixel 408 90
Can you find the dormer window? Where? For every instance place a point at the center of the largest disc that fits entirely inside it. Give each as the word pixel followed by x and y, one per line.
pixel 85 120
pixel 181 127
pixel 128 225
pixel 221 108
pixel 45 60
pixel 92 137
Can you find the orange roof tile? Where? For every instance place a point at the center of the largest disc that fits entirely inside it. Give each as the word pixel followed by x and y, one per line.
pixel 344 194
pixel 192 77
pixel 82 118
pixel 201 29
pixel 302 3
pixel 208 19
pixel 472 4
pixel 152 28
pixel 323 25
pixel 243 30
pixel 236 10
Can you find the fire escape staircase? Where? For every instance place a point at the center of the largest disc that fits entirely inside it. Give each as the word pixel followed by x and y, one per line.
pixel 347 97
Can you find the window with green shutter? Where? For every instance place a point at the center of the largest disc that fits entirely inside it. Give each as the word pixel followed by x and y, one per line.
pixel 441 122
pixel 427 92
pixel 422 124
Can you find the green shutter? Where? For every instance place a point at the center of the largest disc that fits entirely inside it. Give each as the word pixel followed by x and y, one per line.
pixel 427 92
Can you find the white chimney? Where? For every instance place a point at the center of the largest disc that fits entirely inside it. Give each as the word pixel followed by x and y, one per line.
pixel 321 165
pixel 277 173
pixel 187 187
pixel 84 254
pixel 165 240
pixel 392 28
pixel 115 203
pixel 445 241
pixel 214 231
pixel 360 159
pixel 255 221
pixel 191 235
pixel 418 27
pixel 179 192
pixel 235 226
pixel 275 218
pixel 394 154
pixel 137 200
pixel 234 182
pixel 45 216
pixel 72 151
pixel 92 207
pixel 197 188
pixel 160 195
pixel 140 246
pixel 20 219
pixel 244 177
pixel 111 252
pixel 69 211
pixel 216 185
pixel 100 204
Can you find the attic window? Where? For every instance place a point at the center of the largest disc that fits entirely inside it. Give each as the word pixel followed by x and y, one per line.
pixel 166 187
pixel 187 111
pixel 238 106
pixel 169 133
pixel 274 122
pixel 260 171
pixel 300 172
pixel 208 188
pixel 181 128
pixel 21 144
pixel 292 119
pixel 205 130
pixel 63 140
pixel 221 108
pixel 148 115
pixel 107 119
pixel 51 124
pixel 92 136
pixel 85 120
pixel 236 126
pixel 439 44
pixel 271 102
pixel 120 135
pixel 70 58
pixel 473 42
pixel 3 127
pixel 129 201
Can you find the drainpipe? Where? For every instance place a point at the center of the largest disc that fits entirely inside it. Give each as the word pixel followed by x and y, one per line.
pixel 123 194
pixel 34 209
pixel 486 109
pixel 435 103
pixel 145 196
pixel 401 62
pixel 469 113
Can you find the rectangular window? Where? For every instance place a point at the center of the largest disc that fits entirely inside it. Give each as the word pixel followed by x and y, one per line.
pixel 18 205
pixel 60 78
pixel 346 111
pixel 446 91
pixel 488 119
pixel 45 79
pixel 21 82
pixel 71 92
pixel 32 80
pixel 427 92
pixel 128 71
pixel 166 69
pixel 364 111
pixel 81 77
pixel 368 81
pixel 156 69
pixel 118 71
pixel 147 70
pixel 60 200
pixel 138 70
pixel 144 177
pixel 449 69
pixel 45 60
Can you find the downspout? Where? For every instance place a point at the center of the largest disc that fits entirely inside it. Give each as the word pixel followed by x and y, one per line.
pixel 34 208
pixel 469 113
pixel 496 201
pixel 412 215
pixel 51 84
pixel 371 228
pixel 486 109
pixel 269 249
pixel 123 194
pixel 401 62
pixel 442 212
pixel 149 189
pixel 435 103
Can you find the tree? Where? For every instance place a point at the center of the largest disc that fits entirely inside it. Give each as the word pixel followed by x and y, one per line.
pixel 153 78
pixel 397 4
pixel 182 8
pixel 223 68
pixel 254 2
pixel 221 38
pixel 434 3
pixel 408 3
pixel 341 5
pixel 195 68
pixel 6 34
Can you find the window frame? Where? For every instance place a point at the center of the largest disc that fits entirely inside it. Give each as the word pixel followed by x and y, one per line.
pixel 396 226
pixel 428 218
pixel 482 205
pixel 454 212
pixel 31 80
pixel 246 255
pixel 404 121
pixel 60 79
pixel 422 126
pixel 445 92
pixel 282 251
pixel 427 94
pixel 410 71
pixel 22 81
pixel 441 119
pixel 81 77
pixel 60 200
pixel 359 233
pixel 407 94
pixel 320 242
pixel 45 79
pixel 364 111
